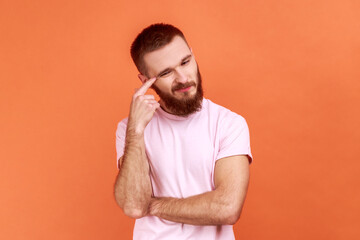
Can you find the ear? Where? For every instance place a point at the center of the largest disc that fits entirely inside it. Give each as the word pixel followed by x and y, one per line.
pixel 142 78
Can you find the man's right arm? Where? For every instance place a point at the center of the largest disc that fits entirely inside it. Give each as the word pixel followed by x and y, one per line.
pixel 132 186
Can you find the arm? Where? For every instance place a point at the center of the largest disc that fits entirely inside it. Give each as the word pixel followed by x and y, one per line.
pixel 132 186
pixel 218 207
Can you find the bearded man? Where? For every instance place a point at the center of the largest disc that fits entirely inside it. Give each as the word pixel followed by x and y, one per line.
pixel 183 161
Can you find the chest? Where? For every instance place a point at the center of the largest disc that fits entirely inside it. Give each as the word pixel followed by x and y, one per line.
pixel 182 155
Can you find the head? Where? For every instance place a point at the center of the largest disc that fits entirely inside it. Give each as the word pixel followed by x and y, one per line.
pixel 162 51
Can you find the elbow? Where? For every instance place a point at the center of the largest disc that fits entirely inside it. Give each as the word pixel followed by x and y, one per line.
pixel 131 211
pixel 134 212
pixel 232 215
pixel 131 208
pixel 232 219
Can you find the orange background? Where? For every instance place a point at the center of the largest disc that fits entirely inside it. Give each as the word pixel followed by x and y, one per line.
pixel 291 68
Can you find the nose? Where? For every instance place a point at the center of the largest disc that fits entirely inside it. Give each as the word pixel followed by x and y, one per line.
pixel 181 76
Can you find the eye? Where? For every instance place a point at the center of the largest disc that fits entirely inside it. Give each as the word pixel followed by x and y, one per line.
pixel 185 62
pixel 164 74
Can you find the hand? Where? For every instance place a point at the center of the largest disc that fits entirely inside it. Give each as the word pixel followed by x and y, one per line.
pixel 142 108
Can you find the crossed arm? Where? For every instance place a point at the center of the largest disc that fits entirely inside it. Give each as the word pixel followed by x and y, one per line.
pixel 132 186
pixel 218 207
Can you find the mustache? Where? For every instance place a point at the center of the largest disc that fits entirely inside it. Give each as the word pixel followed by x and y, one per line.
pixel 182 86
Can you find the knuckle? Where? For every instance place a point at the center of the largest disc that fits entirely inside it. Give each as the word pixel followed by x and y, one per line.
pixel 135 96
pixel 149 96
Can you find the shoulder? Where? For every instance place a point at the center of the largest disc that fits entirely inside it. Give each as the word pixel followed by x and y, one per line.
pixel 123 122
pixel 223 115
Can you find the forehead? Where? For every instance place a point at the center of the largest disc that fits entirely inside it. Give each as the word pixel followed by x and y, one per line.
pixel 166 57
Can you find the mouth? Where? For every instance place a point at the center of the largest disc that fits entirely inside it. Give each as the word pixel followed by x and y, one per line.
pixel 184 89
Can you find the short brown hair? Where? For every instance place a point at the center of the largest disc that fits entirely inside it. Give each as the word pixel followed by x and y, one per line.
pixel 150 39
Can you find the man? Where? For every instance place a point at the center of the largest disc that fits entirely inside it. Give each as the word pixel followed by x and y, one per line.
pixel 183 161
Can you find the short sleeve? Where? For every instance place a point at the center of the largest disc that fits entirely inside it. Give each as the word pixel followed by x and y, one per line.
pixel 120 139
pixel 234 137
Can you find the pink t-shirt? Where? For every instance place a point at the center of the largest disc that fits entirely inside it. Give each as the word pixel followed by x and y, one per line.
pixel 182 153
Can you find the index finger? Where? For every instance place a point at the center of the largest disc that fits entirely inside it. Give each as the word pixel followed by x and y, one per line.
pixel 142 90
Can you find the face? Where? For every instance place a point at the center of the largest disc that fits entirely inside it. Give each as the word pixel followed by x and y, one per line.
pixel 178 81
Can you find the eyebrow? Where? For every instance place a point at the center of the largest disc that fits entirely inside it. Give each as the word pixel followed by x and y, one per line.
pixel 168 69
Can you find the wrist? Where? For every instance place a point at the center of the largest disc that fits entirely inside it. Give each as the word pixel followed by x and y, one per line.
pixel 135 131
pixel 153 206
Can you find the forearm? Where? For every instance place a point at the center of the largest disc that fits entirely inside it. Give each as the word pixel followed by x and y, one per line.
pixel 132 187
pixel 210 208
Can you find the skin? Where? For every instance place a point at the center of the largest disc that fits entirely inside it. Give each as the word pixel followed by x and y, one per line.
pixel 133 187
pixel 173 64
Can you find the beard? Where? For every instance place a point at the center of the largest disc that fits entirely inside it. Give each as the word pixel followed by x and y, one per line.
pixel 188 104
